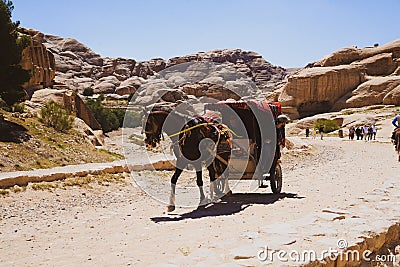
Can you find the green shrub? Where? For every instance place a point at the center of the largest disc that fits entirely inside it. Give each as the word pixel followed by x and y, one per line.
pixel 3 105
pixel 133 119
pixel 88 91
pixel 329 125
pixel 18 107
pixel 54 115
pixel 107 118
pixel 112 119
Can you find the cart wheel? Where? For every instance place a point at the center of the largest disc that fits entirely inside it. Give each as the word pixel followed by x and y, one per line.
pixel 276 180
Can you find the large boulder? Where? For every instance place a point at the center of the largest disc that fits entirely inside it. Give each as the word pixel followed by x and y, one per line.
pixel 315 90
pixel 371 92
pixel 350 54
pixel 130 86
pixel 106 85
pixel 393 97
pixel 381 64
pixel 210 90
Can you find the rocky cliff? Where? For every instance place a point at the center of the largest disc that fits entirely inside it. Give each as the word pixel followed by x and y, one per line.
pixel 349 77
pixel 37 59
pixel 78 67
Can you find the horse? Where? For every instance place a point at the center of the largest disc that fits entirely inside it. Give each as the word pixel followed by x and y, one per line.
pixel 396 140
pixel 187 134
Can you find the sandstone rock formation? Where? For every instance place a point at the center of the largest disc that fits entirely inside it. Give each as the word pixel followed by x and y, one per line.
pixel 350 54
pixel 214 91
pixel 37 59
pixel 377 90
pixel 315 90
pixel 350 77
pixel 79 67
pixel 70 100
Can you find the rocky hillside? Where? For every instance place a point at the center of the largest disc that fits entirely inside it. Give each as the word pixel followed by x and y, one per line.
pixel 349 78
pixel 78 67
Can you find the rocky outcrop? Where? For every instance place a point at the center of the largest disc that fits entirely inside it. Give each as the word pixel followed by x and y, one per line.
pixel 393 97
pixel 375 91
pixel 79 67
pixel 214 91
pixel 350 77
pixel 381 64
pixel 130 86
pixel 350 54
pixel 39 60
pixel 70 101
pixel 315 90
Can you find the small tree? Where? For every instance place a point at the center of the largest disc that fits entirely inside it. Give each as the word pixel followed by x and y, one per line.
pixel 88 91
pixel 12 76
pixel 54 115
pixel 328 125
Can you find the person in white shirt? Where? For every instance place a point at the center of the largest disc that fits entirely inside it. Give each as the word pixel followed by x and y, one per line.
pixel 365 132
pixel 374 130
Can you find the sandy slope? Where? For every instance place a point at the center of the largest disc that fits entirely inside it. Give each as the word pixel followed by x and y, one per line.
pixel 343 191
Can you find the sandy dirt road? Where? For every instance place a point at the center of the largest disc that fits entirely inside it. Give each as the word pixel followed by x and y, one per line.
pixel 342 191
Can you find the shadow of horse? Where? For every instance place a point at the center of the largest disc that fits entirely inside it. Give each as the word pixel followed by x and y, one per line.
pixel 13 132
pixel 228 206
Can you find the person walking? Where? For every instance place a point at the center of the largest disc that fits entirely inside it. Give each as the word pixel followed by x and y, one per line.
pixel 370 133
pixel 307 132
pixel 396 121
pixel 374 130
pixel 365 132
pixel 351 132
pixel 358 133
pixel 321 131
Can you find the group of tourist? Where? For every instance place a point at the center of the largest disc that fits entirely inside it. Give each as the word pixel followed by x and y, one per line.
pixel 366 132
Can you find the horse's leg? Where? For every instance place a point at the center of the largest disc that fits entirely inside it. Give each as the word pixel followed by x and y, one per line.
pixel 199 176
pixel 213 180
pixel 174 180
pixel 228 191
pixel 397 141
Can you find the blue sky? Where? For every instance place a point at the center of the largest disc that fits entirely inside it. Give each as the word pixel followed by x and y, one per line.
pixel 288 33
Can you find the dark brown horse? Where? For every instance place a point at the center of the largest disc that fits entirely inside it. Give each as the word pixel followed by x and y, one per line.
pixel 194 141
pixel 396 140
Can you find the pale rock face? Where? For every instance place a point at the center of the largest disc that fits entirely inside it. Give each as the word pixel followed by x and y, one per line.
pixel 75 61
pixel 381 64
pixel 106 85
pixel 371 92
pixel 315 90
pixel 350 54
pixel 94 137
pixel 393 97
pixel 130 86
pixel 346 78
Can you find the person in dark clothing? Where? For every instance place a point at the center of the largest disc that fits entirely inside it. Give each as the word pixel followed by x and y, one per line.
pixel 358 133
pixel 307 132
pixel 351 132
pixel 321 131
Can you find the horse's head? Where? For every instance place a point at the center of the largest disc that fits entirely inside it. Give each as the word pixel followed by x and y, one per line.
pixel 152 127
